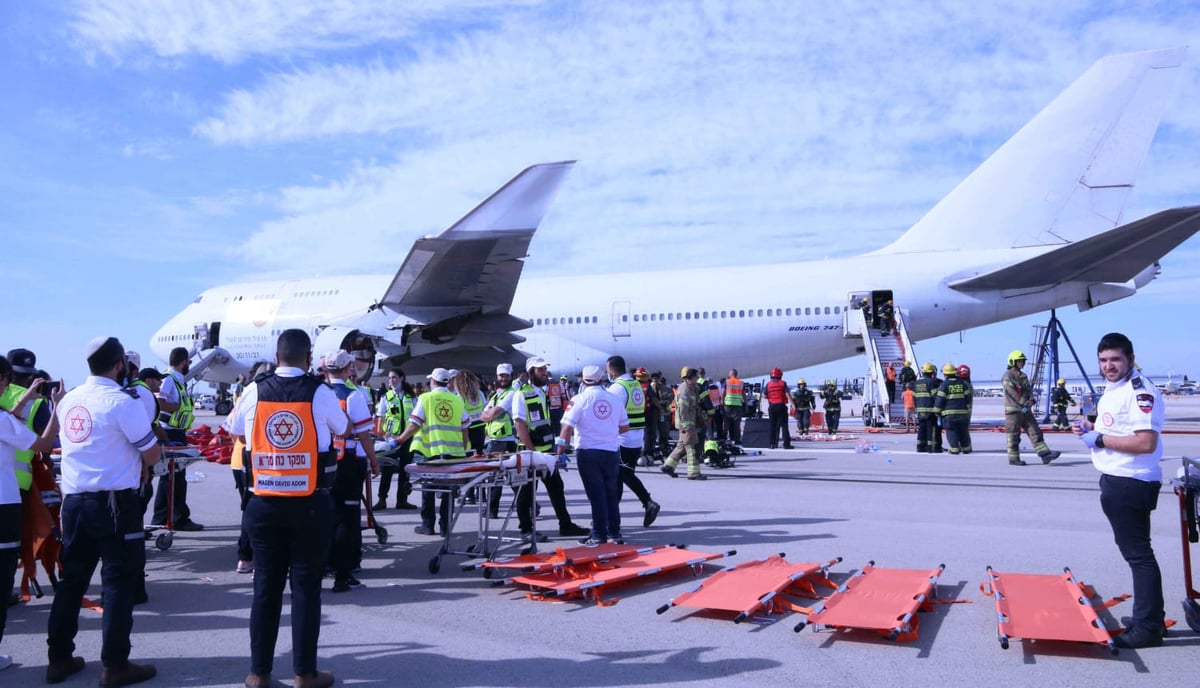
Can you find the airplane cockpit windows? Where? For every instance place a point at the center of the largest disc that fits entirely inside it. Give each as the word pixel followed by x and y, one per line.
pixel 198 298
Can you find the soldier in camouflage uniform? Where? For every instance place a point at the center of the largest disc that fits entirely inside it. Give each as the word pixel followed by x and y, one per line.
pixel 1018 413
pixel 689 418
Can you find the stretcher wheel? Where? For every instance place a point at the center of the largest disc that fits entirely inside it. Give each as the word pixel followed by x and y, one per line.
pixel 1191 612
pixel 164 540
pixel 435 564
pixel 381 535
pixel 1004 643
pixel 488 573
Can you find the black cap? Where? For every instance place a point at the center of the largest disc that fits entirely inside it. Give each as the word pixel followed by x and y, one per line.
pixel 149 374
pixel 23 361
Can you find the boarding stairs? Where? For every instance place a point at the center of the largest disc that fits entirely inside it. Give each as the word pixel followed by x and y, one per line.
pixel 880 350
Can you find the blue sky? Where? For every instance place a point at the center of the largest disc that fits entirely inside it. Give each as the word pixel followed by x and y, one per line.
pixel 153 148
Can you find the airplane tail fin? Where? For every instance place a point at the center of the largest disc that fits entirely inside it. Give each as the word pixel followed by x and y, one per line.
pixel 1067 173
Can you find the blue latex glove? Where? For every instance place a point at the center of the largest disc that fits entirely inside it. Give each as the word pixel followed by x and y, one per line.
pixel 1024 409
pixel 1089 438
pixel 562 461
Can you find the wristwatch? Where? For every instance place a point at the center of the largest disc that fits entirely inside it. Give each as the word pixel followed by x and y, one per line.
pixel 1099 441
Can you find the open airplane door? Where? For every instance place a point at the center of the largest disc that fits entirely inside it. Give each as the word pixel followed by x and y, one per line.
pixel 351 341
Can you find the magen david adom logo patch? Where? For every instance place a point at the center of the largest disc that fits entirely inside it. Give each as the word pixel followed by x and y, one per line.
pixel 284 429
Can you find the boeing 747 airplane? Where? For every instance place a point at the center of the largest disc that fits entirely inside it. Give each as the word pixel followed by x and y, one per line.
pixel 1039 225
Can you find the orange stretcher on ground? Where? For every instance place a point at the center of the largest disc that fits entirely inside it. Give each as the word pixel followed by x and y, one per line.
pixel 877 599
pixel 586 580
pixel 560 558
pixel 1047 607
pixel 759 585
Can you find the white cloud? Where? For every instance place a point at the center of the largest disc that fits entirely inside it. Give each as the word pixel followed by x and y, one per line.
pixel 232 30
pixel 817 129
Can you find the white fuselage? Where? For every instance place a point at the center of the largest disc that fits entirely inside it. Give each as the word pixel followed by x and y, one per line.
pixel 785 315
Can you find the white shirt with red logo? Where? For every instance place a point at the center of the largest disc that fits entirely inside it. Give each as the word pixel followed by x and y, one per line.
pixel 103 430
pixel 597 416
pixel 1125 408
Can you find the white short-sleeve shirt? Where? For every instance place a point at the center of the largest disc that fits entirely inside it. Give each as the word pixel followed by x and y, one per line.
pixel 597 416
pixel 1124 409
pixel 103 430
pixel 14 437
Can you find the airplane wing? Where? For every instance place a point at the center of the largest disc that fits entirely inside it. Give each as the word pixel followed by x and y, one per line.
pixel 1115 256
pixel 450 299
pixel 473 267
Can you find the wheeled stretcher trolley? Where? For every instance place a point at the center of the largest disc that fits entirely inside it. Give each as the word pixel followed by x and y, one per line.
pixel 1187 487
pixel 453 479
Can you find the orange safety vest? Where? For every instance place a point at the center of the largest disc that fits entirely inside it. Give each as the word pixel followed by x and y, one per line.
pixel 285 460
pixel 733 392
pixel 554 395
pixel 890 372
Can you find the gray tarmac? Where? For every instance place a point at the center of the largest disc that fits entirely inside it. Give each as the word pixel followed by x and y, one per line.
pixel 821 500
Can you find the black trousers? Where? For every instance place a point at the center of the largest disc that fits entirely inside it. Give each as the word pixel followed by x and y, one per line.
pixel 290 537
pixel 833 418
pixel 628 476
pixel 1127 502
pixel 347 491
pixel 10 547
pixel 777 413
pixel 98 527
pixel 181 511
pixel 555 491
pixel 733 423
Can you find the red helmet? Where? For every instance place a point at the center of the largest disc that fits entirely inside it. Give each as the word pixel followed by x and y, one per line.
pixel 776 373
pixel 964 372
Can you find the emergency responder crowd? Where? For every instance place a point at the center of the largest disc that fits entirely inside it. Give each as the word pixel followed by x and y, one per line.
pixel 305 442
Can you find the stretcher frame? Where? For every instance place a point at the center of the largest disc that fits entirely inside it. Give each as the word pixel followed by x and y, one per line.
pixel 1187 488
pixel 173 458
pixel 560 558
pixel 792 579
pixel 903 623
pixel 1072 600
pixel 586 581
pixel 483 474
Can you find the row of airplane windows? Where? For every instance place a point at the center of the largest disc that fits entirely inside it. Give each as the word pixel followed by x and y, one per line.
pixel 179 337
pixel 702 315
pixel 266 297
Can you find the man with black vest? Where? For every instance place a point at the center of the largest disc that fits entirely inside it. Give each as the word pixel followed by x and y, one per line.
pixel 287 421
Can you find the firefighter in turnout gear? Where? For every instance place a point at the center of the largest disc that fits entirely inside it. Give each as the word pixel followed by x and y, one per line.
pixel 804 401
pixel 1060 398
pixel 953 403
pixel 832 403
pixel 1018 413
pixel 929 437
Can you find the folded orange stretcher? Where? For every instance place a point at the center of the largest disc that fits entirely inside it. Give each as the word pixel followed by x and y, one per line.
pixel 1047 607
pixel 584 580
pixel 884 600
pixel 560 558
pixel 759 585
